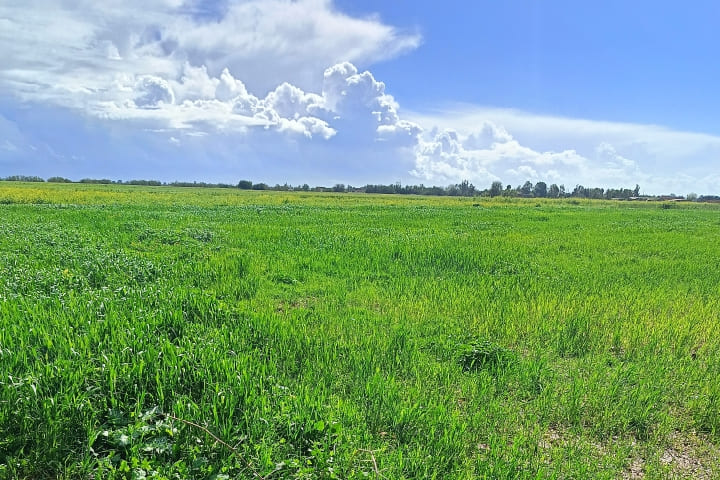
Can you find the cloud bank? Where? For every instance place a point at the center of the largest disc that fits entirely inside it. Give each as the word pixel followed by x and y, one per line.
pixel 571 151
pixel 271 90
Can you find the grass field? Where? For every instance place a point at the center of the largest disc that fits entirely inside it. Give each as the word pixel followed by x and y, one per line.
pixel 222 334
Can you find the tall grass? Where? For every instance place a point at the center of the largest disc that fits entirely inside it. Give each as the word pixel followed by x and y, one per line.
pixel 338 336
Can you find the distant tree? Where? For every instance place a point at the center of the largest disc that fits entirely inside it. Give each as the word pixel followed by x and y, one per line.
pixel 245 184
pixel 527 188
pixel 467 189
pixel 594 192
pixel 103 181
pixel 260 186
pixel 540 189
pixel 562 190
pixel 554 191
pixel 691 197
pixel 339 188
pixel 305 187
pixel 59 180
pixel 578 191
pixel 636 191
pixel 151 183
pixel 496 188
pixel 619 193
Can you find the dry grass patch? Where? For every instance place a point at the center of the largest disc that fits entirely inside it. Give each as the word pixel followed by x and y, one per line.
pixel 691 455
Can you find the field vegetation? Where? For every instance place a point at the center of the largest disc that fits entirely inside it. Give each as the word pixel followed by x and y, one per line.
pixel 228 334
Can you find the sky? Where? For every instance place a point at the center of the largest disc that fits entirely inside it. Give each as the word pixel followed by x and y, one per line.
pixel 609 94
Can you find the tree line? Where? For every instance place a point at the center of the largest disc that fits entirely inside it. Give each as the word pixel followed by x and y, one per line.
pixel 542 190
pixel 462 189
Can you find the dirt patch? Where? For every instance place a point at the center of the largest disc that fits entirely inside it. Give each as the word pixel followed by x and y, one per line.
pixel 285 306
pixel 550 439
pixel 691 455
pixel 635 470
pixel 687 455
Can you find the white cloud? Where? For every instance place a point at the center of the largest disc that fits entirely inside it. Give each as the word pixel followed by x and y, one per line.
pixel 298 38
pixel 566 150
pixel 172 69
pixel 486 136
pixel 351 100
pixel 291 102
pixel 360 107
pixel 222 127
pixel 153 92
pixel 486 155
pixel 246 88
pixel 50 47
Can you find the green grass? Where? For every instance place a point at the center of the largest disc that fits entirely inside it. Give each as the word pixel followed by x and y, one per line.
pixel 354 336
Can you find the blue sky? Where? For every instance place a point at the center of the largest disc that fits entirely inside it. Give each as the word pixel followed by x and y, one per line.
pixel 319 91
pixel 644 62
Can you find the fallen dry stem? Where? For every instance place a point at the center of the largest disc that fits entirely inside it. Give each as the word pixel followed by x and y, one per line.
pixel 374 462
pixel 221 442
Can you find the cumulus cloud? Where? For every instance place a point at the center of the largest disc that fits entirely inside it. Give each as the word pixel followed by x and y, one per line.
pixel 291 102
pixel 514 146
pixel 153 92
pixel 206 67
pixel 350 101
pixel 443 158
pixel 280 127
pixel 487 135
pixel 360 107
pixel 490 153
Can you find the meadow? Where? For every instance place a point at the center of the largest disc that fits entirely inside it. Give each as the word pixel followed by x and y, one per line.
pixel 168 333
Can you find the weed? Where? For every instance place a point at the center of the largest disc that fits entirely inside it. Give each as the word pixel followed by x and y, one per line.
pixel 484 354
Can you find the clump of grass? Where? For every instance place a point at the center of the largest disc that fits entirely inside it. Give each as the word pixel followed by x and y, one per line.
pixel 485 354
pixel 574 338
pixel 200 234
